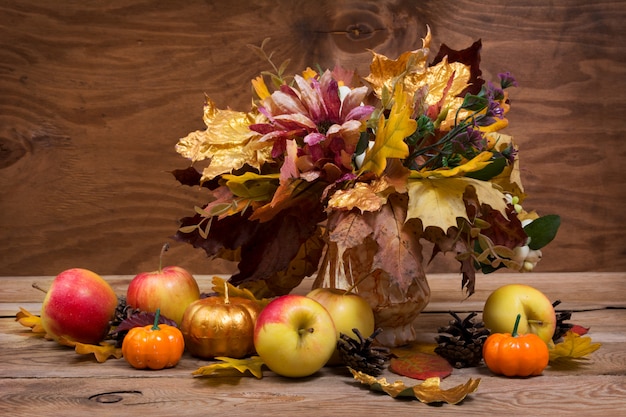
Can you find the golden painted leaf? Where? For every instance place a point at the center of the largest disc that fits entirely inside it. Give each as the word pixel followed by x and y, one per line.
pixel 227 142
pixel 573 347
pixel 439 202
pixel 219 286
pixel 477 163
pixel 390 135
pixel 364 196
pixel 428 391
pixel 253 364
pixel 385 72
pixel 27 319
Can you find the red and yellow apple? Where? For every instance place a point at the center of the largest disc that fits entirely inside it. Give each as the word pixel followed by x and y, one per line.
pixel 294 335
pixel 79 306
pixel 348 311
pixel 171 289
pixel 505 303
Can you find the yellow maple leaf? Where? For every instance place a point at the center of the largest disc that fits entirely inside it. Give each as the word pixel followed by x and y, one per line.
pixel 253 364
pixel 27 319
pixel 428 391
pixel 439 202
pixel 220 286
pixel 227 142
pixel 252 186
pixel 573 347
pixel 390 135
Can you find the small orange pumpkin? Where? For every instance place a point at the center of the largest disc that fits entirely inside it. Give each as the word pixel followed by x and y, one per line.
pixel 511 354
pixel 220 326
pixel 155 346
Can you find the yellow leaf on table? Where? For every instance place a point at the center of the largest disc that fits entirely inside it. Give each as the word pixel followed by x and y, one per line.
pixel 428 391
pixel 102 352
pixel 573 347
pixel 253 364
pixel 27 319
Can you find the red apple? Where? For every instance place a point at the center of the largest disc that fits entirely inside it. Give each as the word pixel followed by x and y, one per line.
pixel 78 306
pixel 171 289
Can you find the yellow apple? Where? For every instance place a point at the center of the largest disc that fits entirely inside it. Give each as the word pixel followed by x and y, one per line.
pixel 294 335
pixel 348 310
pixel 505 303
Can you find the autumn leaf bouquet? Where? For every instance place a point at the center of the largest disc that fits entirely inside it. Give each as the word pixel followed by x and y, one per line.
pixel 345 177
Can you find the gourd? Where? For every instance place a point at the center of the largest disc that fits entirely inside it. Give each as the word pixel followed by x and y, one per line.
pixel 512 354
pixel 155 346
pixel 220 326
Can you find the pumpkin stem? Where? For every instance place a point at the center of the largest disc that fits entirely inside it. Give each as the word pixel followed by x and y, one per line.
pixel 517 319
pixel 164 249
pixel 226 298
pixel 157 316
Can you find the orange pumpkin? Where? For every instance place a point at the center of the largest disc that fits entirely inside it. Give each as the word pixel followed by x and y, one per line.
pixel 220 326
pixel 511 354
pixel 155 346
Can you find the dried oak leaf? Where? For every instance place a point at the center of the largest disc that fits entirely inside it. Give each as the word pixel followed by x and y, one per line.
pixel 420 365
pixel 252 364
pixel 27 319
pixel 573 347
pixel 427 392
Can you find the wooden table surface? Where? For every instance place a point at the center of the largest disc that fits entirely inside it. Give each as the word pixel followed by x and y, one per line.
pixel 40 378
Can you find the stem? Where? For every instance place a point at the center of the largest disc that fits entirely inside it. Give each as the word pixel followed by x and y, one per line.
pixel 226 298
pixel 36 286
pixel 517 319
pixel 157 316
pixel 307 330
pixel 164 249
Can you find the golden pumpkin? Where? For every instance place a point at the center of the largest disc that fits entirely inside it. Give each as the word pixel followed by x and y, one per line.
pixel 220 326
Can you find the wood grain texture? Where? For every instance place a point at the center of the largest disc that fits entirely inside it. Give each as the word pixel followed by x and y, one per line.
pixel 38 377
pixel 94 96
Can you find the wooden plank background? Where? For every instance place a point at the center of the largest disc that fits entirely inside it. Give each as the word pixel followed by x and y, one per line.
pixel 94 96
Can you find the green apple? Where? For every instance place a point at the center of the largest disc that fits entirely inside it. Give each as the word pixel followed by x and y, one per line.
pixel 505 303
pixel 295 336
pixel 348 311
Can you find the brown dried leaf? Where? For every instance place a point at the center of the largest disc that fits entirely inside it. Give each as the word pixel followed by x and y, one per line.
pixel 428 391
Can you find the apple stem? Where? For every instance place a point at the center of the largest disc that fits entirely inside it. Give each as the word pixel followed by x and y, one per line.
pixel 36 286
pixel 517 320
pixel 307 330
pixel 164 249
pixel 157 316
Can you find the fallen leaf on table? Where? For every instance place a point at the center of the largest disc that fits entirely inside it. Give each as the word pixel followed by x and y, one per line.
pixel 253 364
pixel 573 347
pixel 102 352
pixel 414 348
pixel 427 392
pixel 27 319
pixel 421 366
pixel 579 330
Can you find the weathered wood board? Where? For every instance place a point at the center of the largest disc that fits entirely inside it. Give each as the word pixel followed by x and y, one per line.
pixel 94 96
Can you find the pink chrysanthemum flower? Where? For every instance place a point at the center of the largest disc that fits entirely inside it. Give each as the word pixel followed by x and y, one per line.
pixel 325 126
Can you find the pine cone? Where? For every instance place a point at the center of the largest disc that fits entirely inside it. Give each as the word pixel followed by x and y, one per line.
pixel 463 346
pixel 122 312
pixel 360 355
pixel 561 327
